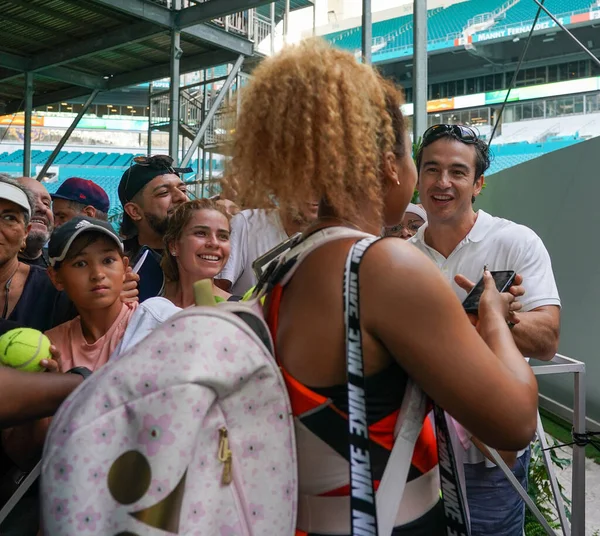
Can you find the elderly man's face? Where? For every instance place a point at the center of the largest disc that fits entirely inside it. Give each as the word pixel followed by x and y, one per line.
pixel 42 219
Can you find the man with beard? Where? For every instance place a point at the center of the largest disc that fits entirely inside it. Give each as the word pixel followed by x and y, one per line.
pixel 149 191
pixel 254 232
pixel 42 224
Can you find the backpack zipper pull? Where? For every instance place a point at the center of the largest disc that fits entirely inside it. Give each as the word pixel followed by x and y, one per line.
pixel 225 456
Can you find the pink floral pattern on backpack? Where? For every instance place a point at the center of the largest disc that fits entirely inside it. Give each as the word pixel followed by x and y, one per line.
pixel 162 436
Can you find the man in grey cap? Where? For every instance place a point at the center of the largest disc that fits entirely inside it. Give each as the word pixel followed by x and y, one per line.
pixel 149 191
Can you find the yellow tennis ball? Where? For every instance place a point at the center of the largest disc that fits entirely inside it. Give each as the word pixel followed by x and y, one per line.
pixel 24 348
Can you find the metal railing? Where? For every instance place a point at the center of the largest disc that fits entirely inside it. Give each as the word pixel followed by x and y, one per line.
pixel 560 364
pixel 246 23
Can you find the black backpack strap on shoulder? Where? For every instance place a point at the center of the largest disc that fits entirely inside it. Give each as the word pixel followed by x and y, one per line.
pixel 363 508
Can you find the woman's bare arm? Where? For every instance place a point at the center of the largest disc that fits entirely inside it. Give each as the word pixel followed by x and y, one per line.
pixel 481 380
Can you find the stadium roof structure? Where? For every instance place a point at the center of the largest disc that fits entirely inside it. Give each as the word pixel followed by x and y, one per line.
pixel 73 47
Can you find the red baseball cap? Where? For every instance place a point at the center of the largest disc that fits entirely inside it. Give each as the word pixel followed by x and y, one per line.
pixel 83 191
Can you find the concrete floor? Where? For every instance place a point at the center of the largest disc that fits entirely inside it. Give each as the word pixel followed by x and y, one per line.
pixel 592 494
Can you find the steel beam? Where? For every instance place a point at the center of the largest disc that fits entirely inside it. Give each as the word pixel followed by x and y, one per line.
pixel 186 65
pixel 62 74
pixel 141 9
pixel 213 10
pixel 67 135
pixel 161 16
pixel 16 105
pixel 578 483
pixel 219 38
pixel 174 75
pixel 98 43
pixel 213 110
pixel 286 19
pixel 14 62
pixel 76 78
pixel 420 69
pixel 367 31
pixel 273 26
pixel 27 125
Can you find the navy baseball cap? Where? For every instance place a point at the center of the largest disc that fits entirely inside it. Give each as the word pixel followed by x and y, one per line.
pixel 83 191
pixel 63 237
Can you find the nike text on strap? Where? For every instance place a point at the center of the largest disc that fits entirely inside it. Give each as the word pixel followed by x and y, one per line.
pixel 364 503
pixel 362 498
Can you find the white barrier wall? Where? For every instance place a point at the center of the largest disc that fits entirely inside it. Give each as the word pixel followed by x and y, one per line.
pixel 558 196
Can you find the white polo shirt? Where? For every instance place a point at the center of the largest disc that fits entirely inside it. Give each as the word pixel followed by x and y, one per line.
pixel 253 233
pixel 501 245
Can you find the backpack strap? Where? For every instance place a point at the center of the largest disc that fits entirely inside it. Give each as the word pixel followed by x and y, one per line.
pixel 281 270
pixel 364 503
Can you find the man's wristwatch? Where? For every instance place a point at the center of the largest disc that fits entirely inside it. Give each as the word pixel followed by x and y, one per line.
pixel 84 372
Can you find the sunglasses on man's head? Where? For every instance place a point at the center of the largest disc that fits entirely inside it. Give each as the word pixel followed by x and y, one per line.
pixel 459 132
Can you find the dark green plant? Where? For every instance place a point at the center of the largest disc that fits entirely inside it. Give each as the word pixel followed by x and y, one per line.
pixel 540 491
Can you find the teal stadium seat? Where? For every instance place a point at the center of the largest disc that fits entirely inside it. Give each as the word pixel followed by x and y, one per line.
pixel 524 11
pixel 105 169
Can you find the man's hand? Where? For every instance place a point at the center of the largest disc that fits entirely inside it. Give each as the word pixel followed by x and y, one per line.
pixel 517 290
pixel 54 364
pixel 130 290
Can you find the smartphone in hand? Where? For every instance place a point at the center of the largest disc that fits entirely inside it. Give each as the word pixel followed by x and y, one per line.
pixel 503 279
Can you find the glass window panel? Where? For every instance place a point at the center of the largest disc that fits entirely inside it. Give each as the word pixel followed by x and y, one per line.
pixel 451 89
pixel 470 86
pixel 518 112
pixel 563 72
pixel 538 109
pixel 527 110
pixel 551 108
pixel 540 75
pixel 578 104
pixel 553 73
pixel 573 67
pixel 101 110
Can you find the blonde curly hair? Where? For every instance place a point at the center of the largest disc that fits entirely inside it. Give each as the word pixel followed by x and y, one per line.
pixel 314 122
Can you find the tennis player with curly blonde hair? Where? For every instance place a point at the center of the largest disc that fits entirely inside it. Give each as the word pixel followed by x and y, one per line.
pixel 314 120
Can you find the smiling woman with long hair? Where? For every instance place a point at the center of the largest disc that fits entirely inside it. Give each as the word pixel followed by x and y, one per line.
pixel 196 247
pixel 314 120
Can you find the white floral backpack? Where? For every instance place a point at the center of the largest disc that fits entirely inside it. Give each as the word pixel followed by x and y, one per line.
pixel 189 432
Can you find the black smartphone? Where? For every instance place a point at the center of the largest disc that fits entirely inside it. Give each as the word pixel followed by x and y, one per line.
pixel 503 279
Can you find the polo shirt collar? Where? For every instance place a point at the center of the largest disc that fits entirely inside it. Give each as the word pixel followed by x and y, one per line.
pixel 483 225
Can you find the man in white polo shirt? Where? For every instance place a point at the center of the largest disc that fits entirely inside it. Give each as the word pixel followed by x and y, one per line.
pixel 452 161
pixel 254 232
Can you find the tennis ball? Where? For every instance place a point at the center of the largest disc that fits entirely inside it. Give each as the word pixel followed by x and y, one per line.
pixel 24 348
